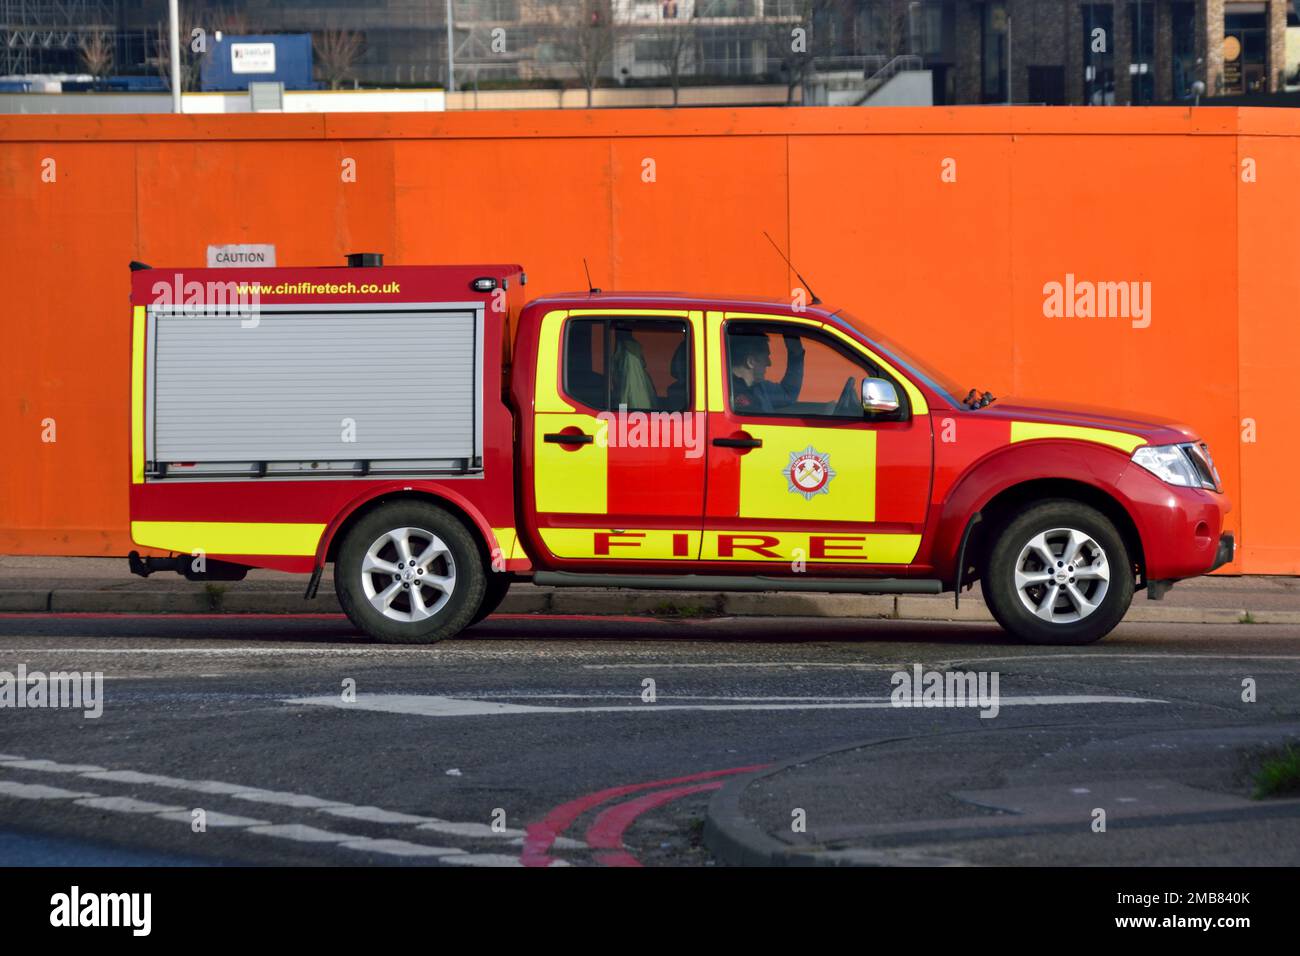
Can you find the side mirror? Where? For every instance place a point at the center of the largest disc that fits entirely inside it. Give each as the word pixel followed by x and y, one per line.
pixel 878 395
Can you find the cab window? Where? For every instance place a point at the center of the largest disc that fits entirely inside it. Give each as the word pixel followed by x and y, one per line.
pixel 788 370
pixel 630 363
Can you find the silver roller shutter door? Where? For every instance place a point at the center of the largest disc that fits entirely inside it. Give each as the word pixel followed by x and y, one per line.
pixel 282 390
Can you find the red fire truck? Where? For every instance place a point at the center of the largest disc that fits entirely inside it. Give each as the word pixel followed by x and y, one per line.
pixel 436 439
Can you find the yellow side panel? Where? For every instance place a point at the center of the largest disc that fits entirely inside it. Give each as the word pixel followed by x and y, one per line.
pixel 770 489
pixel 571 480
pixel 228 537
pixel 715 358
pixel 1028 431
pixel 627 544
pixel 697 345
pixel 548 398
pixel 840 547
pixel 137 395
pixel 506 540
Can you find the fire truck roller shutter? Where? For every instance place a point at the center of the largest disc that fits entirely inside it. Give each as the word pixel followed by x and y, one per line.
pixel 314 386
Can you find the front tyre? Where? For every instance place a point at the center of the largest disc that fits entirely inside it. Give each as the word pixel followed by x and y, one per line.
pixel 1058 574
pixel 409 573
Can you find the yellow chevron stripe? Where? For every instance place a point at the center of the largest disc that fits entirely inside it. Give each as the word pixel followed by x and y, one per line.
pixel 1029 431
pixel 228 537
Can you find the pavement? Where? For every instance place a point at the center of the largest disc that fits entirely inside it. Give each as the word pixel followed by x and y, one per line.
pixel 105 585
pixel 1177 797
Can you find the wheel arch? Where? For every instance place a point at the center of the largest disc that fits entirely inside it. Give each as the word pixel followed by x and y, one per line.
pixel 454 505
pixel 1001 507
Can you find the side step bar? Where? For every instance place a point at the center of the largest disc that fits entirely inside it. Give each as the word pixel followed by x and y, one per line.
pixel 705 582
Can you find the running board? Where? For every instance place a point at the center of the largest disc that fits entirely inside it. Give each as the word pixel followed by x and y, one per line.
pixel 705 582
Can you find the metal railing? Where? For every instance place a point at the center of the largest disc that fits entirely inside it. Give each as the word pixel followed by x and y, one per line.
pixel 903 63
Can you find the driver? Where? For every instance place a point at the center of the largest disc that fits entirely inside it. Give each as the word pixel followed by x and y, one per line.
pixel 751 356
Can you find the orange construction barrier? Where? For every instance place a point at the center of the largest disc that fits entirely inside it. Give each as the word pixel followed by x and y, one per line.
pixel 943 227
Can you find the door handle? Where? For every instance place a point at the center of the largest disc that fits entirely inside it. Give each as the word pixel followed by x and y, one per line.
pixel 738 442
pixel 559 438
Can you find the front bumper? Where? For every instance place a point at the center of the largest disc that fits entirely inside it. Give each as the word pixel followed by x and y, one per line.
pixel 1181 528
pixel 1227 550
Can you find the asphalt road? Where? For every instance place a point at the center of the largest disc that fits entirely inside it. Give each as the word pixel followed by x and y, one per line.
pixel 532 740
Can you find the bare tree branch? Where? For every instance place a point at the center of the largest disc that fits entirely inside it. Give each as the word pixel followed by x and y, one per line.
pixel 584 37
pixel 337 53
pixel 97 54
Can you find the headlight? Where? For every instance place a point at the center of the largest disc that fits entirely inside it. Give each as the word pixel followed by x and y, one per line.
pixel 1188 465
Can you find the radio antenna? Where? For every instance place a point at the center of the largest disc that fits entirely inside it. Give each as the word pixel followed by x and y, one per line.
pixel 591 289
pixel 802 280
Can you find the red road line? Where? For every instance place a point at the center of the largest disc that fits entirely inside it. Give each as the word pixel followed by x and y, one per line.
pixel 621 618
pixel 168 615
pixel 542 836
pixel 301 616
pixel 607 832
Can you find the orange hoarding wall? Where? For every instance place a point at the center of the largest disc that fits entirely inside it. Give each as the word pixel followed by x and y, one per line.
pixel 939 226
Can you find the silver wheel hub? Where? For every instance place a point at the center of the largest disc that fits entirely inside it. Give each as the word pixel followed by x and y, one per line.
pixel 1062 575
pixel 408 574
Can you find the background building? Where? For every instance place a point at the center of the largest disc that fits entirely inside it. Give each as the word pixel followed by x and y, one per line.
pixel 819 51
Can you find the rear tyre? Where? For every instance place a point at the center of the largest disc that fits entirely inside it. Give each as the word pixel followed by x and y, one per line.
pixel 409 573
pixel 498 586
pixel 1058 574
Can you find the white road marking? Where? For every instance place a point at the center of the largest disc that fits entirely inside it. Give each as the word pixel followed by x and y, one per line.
pixel 301 833
pixel 4 757
pixel 300 801
pixel 663 665
pixel 38 791
pixel 128 805
pixel 290 831
pixel 176 783
pixel 376 815
pixel 484 859
pixel 402 848
pixel 214 819
pixel 670 697
pixel 49 766
pixel 435 706
pixel 471 830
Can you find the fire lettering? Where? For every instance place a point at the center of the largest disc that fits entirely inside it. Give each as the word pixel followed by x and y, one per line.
pixel 819 545
pixel 762 546
pixel 604 540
